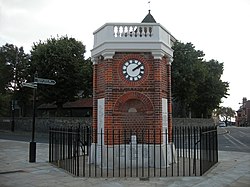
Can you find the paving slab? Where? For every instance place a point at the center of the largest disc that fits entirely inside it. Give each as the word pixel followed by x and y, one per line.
pixel 232 170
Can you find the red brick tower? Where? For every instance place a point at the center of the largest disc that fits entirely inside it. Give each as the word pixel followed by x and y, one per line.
pixel 132 79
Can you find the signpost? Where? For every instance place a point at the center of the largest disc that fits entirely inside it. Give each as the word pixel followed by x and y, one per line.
pixel 33 85
pixel 44 81
pixel 29 85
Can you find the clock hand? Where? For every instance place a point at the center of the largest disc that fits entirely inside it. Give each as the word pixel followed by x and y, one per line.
pixel 137 67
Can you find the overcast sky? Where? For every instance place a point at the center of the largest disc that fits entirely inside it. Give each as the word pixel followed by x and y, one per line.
pixel 220 28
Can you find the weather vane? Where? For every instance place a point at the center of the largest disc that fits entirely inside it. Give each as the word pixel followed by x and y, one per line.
pixel 148 5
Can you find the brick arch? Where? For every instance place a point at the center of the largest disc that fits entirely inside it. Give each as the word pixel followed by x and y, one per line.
pixel 133 56
pixel 137 96
pixel 133 112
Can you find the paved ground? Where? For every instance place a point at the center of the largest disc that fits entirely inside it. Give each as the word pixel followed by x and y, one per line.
pixel 233 170
pixel 23 136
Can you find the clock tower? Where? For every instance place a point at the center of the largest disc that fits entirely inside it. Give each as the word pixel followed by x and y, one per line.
pixel 132 83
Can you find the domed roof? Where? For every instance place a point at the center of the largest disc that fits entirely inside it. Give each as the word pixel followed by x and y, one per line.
pixel 149 18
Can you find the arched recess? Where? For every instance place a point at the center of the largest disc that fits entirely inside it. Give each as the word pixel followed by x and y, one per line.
pixel 134 96
pixel 134 113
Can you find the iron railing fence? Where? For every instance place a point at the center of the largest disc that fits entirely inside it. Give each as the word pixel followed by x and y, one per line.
pixel 133 153
pixel 208 148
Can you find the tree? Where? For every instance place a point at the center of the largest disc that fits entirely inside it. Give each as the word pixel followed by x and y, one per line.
pixel 226 113
pixel 186 67
pixel 196 83
pixel 87 84
pixel 13 63
pixel 5 75
pixel 61 59
pixel 4 105
pixel 13 71
pixel 210 90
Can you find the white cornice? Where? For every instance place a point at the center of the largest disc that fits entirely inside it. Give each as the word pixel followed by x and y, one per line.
pixel 132 37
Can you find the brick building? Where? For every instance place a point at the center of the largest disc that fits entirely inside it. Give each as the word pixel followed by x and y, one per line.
pixel 132 75
pixel 132 80
pixel 80 108
pixel 243 114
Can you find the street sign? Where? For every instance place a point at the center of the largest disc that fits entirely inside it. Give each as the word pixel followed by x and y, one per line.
pixel 45 81
pixel 29 84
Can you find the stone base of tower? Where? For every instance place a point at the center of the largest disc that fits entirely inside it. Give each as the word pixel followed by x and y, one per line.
pixel 133 155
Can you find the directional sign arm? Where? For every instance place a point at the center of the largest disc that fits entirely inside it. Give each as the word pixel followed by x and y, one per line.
pixel 44 81
pixel 29 85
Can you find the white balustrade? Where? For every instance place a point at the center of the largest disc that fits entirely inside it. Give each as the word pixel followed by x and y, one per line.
pixel 132 31
pixel 131 37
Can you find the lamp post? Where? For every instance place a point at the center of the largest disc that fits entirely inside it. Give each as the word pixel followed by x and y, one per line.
pixel 32 153
pixel 13 115
pixel 32 150
pixel 13 100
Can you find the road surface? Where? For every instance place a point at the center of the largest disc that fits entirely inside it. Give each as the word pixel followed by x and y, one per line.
pixel 236 139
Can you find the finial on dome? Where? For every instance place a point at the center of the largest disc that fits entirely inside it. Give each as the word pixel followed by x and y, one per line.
pixel 149 18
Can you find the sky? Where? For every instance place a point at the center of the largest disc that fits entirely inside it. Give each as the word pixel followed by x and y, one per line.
pixel 220 28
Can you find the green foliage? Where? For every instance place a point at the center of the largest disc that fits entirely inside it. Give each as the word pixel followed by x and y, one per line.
pixel 13 71
pixel 211 90
pixel 226 113
pixel 87 84
pixel 5 75
pixel 186 68
pixel 61 59
pixel 196 84
pixel 13 63
pixel 4 104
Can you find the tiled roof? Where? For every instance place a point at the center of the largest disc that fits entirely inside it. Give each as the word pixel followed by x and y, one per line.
pixel 81 103
pixel 149 18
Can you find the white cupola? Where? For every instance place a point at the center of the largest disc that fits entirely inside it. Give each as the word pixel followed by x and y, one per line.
pixel 147 36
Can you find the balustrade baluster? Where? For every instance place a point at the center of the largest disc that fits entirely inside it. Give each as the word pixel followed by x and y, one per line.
pixel 126 31
pixel 150 31
pixel 140 30
pixel 132 31
pixel 121 31
pixel 136 31
pixel 115 31
pixel 145 31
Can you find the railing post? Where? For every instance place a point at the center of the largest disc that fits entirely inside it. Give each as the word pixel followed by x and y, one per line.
pixel 119 153
pixel 160 134
pixel 142 155
pixel 113 157
pixel 50 144
pixel 131 155
pixel 201 151
pixel 172 149
pixel 101 152
pixel 194 165
pixel 148 133
pixel 197 144
pixel 183 150
pixel 77 150
pixel 107 149
pixel 189 150
pixel 216 144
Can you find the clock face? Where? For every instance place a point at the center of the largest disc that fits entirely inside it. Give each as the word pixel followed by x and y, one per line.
pixel 133 70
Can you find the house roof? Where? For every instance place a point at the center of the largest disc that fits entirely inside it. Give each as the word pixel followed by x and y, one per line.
pixel 149 18
pixel 80 103
pixel 47 106
pixel 248 104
